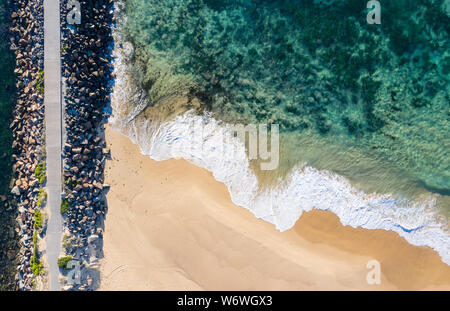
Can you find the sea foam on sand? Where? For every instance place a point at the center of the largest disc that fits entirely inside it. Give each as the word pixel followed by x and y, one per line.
pixel 217 150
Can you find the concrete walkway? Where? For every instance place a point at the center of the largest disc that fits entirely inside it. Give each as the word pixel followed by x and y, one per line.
pixel 53 131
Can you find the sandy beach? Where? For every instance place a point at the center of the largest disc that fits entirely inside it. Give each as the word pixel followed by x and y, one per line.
pixel 171 226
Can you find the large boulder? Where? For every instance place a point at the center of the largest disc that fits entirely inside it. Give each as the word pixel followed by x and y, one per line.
pixel 15 191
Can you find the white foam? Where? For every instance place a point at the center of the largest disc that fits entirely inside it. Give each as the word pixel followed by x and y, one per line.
pixel 306 188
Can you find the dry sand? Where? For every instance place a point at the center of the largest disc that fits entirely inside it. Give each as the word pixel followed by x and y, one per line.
pixel 172 226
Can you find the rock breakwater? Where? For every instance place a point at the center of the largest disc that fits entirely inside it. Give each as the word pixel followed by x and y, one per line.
pixel 26 41
pixel 87 73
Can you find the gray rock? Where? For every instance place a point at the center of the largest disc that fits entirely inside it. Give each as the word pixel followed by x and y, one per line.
pixel 93 238
pixel 15 191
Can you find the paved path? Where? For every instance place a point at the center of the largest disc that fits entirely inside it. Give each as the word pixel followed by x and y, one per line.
pixel 53 130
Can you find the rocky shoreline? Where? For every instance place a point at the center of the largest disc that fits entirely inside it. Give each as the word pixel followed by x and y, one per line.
pixel 87 73
pixel 27 40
